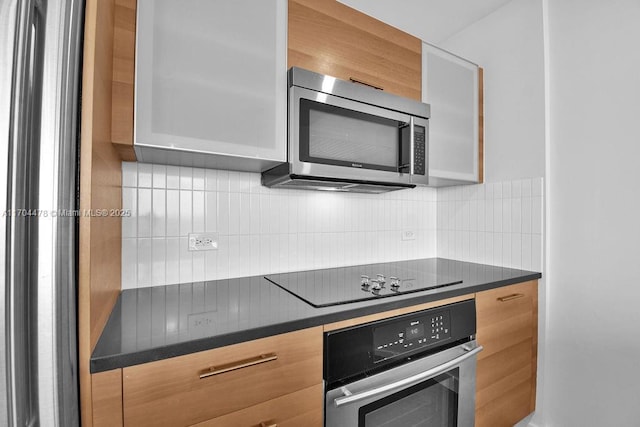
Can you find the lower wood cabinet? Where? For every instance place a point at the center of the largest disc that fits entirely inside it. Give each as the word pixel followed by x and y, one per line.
pixel 243 384
pixel 506 373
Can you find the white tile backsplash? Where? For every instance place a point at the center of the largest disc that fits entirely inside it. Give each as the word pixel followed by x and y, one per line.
pixel 508 218
pixel 261 230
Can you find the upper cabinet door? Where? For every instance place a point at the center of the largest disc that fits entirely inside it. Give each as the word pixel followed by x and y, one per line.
pixel 211 83
pixel 331 38
pixel 453 88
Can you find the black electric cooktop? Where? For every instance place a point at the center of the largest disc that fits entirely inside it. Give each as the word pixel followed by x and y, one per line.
pixel 342 285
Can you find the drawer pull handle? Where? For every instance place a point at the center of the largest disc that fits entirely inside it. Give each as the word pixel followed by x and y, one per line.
pixel 360 82
pixel 510 297
pixel 268 424
pixel 217 370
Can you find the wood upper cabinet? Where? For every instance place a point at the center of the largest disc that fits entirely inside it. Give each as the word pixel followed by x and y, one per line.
pixel 506 373
pixel 331 38
pixel 453 87
pixel 274 380
pixel 211 86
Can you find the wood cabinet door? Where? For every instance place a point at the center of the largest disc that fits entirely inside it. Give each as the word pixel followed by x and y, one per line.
pixel 331 38
pixel 506 373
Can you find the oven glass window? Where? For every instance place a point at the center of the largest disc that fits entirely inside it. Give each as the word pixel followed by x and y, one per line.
pixel 432 403
pixel 338 136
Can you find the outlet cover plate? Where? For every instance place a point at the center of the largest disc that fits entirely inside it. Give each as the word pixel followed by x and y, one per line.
pixel 408 235
pixel 203 241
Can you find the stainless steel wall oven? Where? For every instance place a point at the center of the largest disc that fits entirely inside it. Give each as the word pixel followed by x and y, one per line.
pixel 417 369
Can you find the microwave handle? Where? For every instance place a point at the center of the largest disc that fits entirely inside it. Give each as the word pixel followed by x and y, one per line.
pixel 412 146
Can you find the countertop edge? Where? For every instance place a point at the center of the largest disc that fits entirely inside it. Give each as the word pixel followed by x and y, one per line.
pixel 106 363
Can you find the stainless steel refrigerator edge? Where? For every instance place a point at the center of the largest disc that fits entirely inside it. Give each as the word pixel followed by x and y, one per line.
pixel 39 91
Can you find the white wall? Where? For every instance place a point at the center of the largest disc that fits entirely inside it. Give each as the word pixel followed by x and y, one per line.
pixel 261 230
pixel 508 45
pixel 593 339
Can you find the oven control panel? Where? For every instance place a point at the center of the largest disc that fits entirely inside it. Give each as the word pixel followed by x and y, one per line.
pixel 410 334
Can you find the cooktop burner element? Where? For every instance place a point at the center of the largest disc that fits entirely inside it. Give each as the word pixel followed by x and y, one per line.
pixel 342 285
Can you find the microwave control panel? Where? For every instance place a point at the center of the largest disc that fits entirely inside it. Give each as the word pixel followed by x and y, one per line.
pixel 419 153
pixel 408 335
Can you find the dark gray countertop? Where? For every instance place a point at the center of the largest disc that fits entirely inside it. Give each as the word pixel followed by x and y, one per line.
pixel 156 323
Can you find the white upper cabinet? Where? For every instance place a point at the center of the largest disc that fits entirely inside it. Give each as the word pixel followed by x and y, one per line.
pixel 211 83
pixel 451 85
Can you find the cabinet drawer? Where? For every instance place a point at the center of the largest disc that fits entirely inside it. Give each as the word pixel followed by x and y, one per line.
pixel 303 407
pixel 506 316
pixel 190 389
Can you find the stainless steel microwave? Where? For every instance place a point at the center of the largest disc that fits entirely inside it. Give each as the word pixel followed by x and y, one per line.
pixel 345 136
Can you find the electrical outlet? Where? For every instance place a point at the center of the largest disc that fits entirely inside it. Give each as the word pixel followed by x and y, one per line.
pixel 203 241
pixel 408 235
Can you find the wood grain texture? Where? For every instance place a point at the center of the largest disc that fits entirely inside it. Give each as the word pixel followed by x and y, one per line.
pixel 124 42
pixel 506 371
pixel 301 408
pixel 391 313
pixel 170 393
pixel 331 38
pixel 100 188
pixel 107 406
pixel 480 125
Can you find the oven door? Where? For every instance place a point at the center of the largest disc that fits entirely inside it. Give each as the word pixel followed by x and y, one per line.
pixel 435 391
pixel 331 136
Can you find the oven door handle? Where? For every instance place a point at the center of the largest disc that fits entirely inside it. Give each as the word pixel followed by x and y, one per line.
pixel 350 397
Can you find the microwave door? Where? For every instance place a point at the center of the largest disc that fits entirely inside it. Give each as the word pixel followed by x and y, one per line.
pixel 346 139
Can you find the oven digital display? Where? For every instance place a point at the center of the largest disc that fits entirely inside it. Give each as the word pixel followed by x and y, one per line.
pixel 414 332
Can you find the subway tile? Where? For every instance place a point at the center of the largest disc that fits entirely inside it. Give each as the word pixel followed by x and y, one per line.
pixel 186 178
pixel 173 213
pixel 516 189
pixel 507 261
pixel 144 212
pixel 130 203
pixel 159 176
pixel 129 263
pixel 145 173
pixel 506 189
pixel 497 215
pixel 516 250
pixel 234 213
pixel 173 177
pixel 185 261
pixel 172 271
pixel 159 213
pixel 516 215
pixel 145 263
pixel 536 215
pixel 526 187
pixel 526 215
pixel 244 217
pixel 234 181
pixel 223 180
pixel 198 212
pixel 211 211
pixel 159 261
pixel 536 252
pixel 129 174
pixel 506 215
pixel 211 180
pixel 199 179
pixel 223 213
pixel 186 212
pixel 526 251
